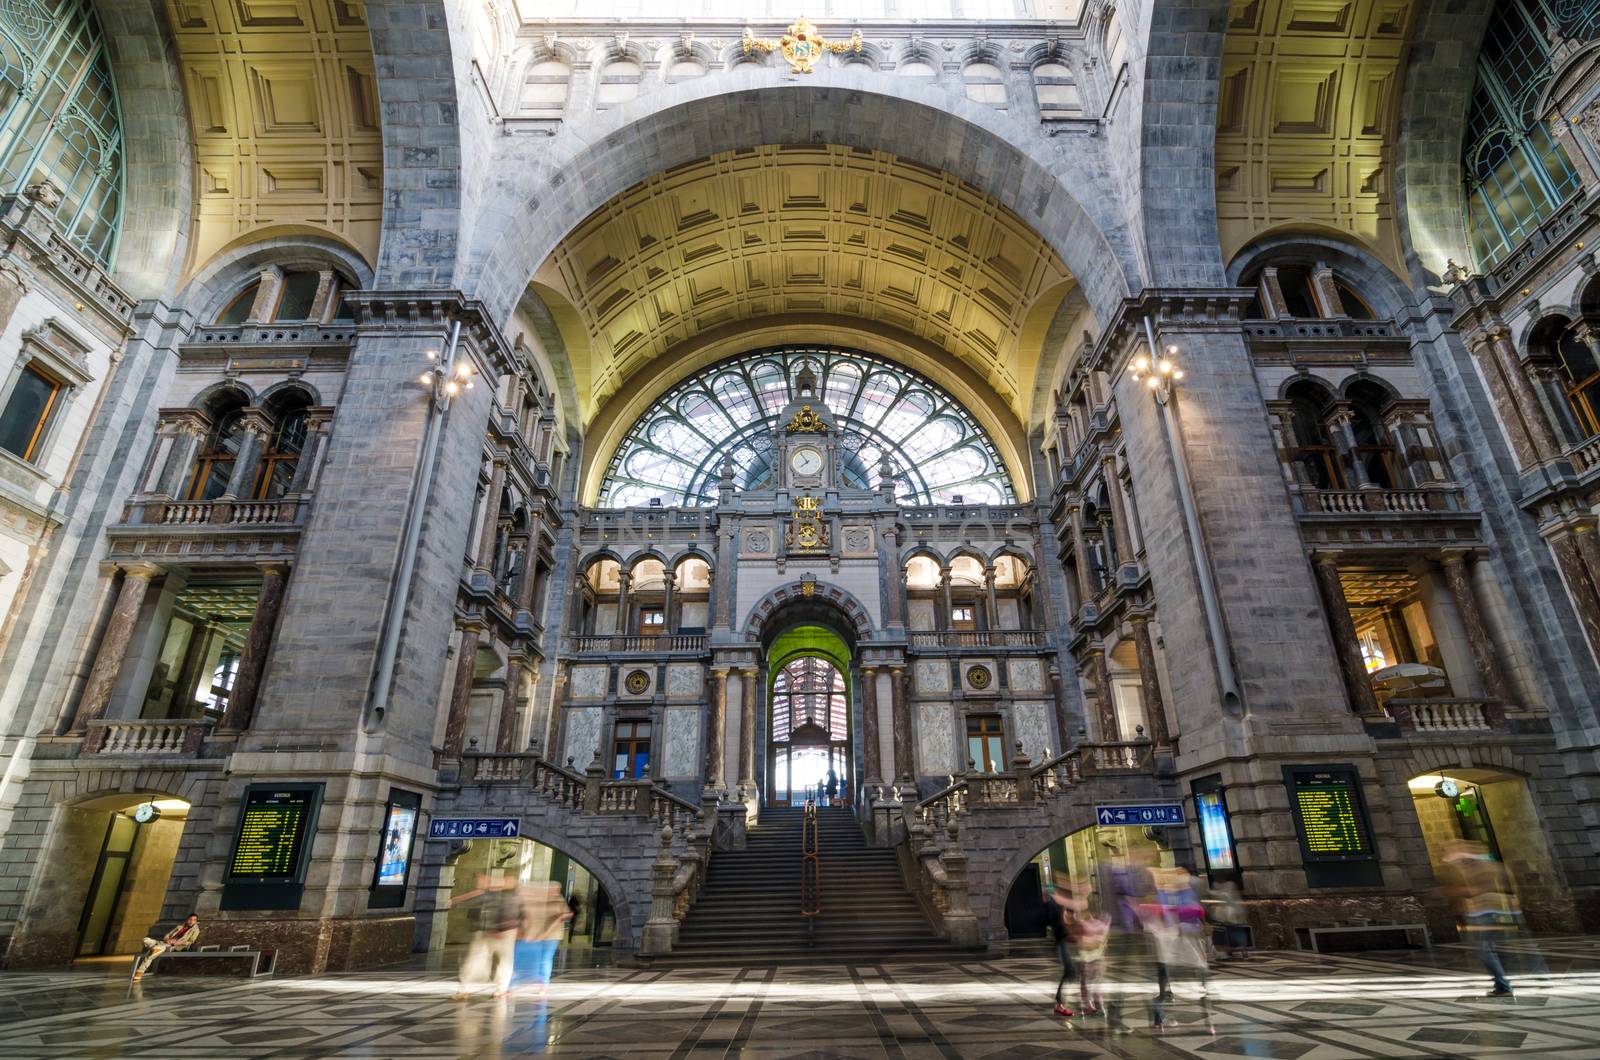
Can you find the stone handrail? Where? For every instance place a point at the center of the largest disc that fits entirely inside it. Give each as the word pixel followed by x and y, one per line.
pixel 1026 783
pixel 675 883
pixel 1342 502
pixel 935 868
pixel 983 638
pixel 621 642
pixel 303 334
pixel 1447 715
pixel 1586 456
pixel 1321 329
pixel 165 736
pixel 159 511
pixel 590 792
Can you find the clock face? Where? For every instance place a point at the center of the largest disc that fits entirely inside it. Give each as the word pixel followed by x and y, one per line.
pixel 806 461
pixel 145 812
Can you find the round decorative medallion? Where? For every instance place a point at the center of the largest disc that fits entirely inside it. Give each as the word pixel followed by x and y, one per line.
pixel 636 682
pixel 978 676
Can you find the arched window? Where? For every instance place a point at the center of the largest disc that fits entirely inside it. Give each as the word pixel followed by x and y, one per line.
pixel 1116 44
pixel 296 295
pixel 619 82
pixel 545 88
pixel 281 457
pixel 59 118
pixel 1298 297
pixel 1057 92
pixel 295 298
pixel 686 68
pixel 237 311
pixel 808 695
pixel 1297 285
pixel 1373 448
pixel 729 411
pixel 1516 174
pixel 1580 371
pixel 985 84
pixel 917 67
pixel 213 467
pixel 1311 449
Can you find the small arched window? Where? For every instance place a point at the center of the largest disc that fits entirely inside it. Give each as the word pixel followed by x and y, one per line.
pixel 213 468
pixel 1310 448
pixel 281 458
pixel 1057 92
pixel 238 310
pixel 686 68
pixel 985 84
pixel 1374 450
pixel 1355 307
pixel 619 82
pixel 1580 370
pixel 545 88
pixel 296 298
pixel 916 67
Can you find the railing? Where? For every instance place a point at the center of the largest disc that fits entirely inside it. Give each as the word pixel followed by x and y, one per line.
pixel 983 638
pixel 1446 715
pixel 810 867
pixel 1343 502
pixel 1027 783
pixel 152 737
pixel 675 884
pixel 1586 457
pixel 629 643
pixel 590 792
pixel 1320 329
pixel 288 511
pixel 305 334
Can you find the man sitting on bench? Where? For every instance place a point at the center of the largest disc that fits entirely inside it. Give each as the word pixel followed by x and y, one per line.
pixel 179 938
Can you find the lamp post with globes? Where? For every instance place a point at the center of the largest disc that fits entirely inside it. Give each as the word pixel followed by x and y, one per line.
pixel 1158 372
pixel 444 377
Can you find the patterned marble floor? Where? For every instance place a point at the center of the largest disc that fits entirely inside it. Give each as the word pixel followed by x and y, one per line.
pixel 1277 1005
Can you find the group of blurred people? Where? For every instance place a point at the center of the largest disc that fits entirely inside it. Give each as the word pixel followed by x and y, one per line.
pixel 1185 922
pixel 516 929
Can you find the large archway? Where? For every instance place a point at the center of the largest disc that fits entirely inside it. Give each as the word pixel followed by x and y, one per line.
pixel 808 686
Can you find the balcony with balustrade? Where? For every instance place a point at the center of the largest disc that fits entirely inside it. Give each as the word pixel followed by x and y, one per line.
pixel 1415 517
pixel 223 530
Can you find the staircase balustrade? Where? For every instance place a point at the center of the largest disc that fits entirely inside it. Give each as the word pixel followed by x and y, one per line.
pixel 935 868
pixel 1027 783
pixel 675 883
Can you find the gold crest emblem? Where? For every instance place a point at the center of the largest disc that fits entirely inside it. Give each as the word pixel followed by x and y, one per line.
pixel 806 421
pixel 802 46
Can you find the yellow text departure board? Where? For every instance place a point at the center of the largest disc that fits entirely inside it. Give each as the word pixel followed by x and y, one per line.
pixel 272 831
pixel 1330 816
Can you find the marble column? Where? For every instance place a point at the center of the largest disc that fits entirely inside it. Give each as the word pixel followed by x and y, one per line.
pixel 483 556
pixel 305 468
pixel 715 727
pixel 1494 379
pixel 668 626
pixel 455 729
pixel 505 736
pixel 1080 552
pixel 895 583
pixel 1544 441
pixel 1063 719
pixel 1581 573
pixel 904 758
pixel 173 481
pixel 994 602
pixel 1479 640
pixel 258 642
pixel 749 677
pixel 620 626
pixel 1155 708
pixel 1340 425
pixel 944 595
pixel 255 427
pixel 871 764
pixel 552 730
pixel 1119 515
pixel 1343 628
pixel 1105 706
pixel 114 644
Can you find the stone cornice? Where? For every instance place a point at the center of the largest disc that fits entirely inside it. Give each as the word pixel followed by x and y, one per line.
pixel 376 310
pixel 1186 309
pixel 26 225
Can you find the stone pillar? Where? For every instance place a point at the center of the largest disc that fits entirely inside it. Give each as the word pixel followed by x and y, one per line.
pixel 558 688
pixel 175 474
pixel 1549 382
pixel 1106 707
pixel 1545 446
pixel 1119 516
pixel 871 756
pixel 904 759
pixel 894 584
pixel 1063 719
pixel 455 729
pixel 114 644
pixel 1340 426
pixel 620 626
pixel 1479 639
pixel 1080 552
pixel 1155 709
pixel 749 677
pixel 505 736
pixel 994 602
pixel 305 468
pixel 255 427
pixel 1343 628
pixel 944 594
pixel 253 660
pixel 667 624
pixel 488 533
pixel 266 299
pixel 715 727
pixel 1494 379
pixel 1272 300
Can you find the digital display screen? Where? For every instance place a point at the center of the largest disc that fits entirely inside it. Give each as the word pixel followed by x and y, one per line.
pixel 1327 807
pixel 396 856
pixel 1214 830
pixel 273 826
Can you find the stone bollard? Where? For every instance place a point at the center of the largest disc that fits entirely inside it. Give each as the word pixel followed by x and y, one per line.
pixel 1022 768
pixel 961 926
pixel 594 777
pixel 662 927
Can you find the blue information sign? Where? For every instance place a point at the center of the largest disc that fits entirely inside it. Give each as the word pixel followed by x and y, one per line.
pixel 475 828
pixel 1145 814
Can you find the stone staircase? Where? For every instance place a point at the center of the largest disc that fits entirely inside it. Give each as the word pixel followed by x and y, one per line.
pixel 748 910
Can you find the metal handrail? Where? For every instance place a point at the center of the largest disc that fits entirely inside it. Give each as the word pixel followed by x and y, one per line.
pixel 810 869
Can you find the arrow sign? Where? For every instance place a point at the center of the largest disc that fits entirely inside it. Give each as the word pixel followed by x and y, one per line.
pixel 475 828
pixel 1145 815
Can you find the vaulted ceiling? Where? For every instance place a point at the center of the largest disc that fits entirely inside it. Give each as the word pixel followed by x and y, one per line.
pixel 1305 118
pixel 283 107
pixel 812 230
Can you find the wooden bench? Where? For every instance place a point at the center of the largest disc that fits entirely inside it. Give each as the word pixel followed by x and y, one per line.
pixel 260 962
pixel 1399 933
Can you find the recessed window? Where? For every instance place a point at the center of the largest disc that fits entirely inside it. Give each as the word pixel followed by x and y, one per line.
pixel 298 295
pixel 652 622
pixel 282 456
pixel 986 742
pixel 238 310
pixel 214 467
pixel 631 750
pixel 963 617
pixel 27 412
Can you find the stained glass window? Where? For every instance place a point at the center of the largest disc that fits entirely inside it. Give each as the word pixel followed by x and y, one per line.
pixel 808 692
pixel 729 411
pixel 59 118
pixel 1516 174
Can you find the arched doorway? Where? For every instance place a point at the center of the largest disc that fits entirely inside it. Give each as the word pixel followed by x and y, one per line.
pixel 808 731
pixel 527 863
pixel 128 848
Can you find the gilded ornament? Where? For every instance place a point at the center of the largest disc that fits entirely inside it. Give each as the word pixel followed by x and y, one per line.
pixel 802 46
pixel 806 421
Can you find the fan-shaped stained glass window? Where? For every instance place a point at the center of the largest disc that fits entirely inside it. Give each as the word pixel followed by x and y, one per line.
pixel 59 119
pixel 808 695
pixel 675 452
pixel 1516 173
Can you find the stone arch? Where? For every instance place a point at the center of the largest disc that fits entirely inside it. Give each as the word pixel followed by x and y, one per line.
pixel 1387 294
pixel 636 558
pixel 921 123
pixel 1301 378
pixel 692 552
pixel 158 173
pixel 1370 378
pixel 921 549
pixel 1016 552
pixel 286 386
pixel 227 273
pixel 840 600
pixel 207 397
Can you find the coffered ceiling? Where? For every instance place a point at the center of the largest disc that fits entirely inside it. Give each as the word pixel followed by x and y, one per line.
pixel 813 231
pixel 283 107
pixel 1306 114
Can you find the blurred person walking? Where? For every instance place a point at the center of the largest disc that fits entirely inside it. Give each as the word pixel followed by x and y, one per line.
pixel 1176 923
pixel 544 917
pixel 1484 899
pixel 1061 911
pixel 490 956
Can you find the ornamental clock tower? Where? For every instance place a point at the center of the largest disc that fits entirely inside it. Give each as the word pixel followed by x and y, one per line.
pixel 808 440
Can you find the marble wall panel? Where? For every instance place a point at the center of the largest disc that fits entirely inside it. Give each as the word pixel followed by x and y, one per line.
pixel 583 734
pixel 933 675
pixel 681 743
pixel 588 682
pixel 936 738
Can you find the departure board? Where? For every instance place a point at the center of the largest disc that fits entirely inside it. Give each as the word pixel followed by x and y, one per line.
pixel 1327 805
pixel 273 826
